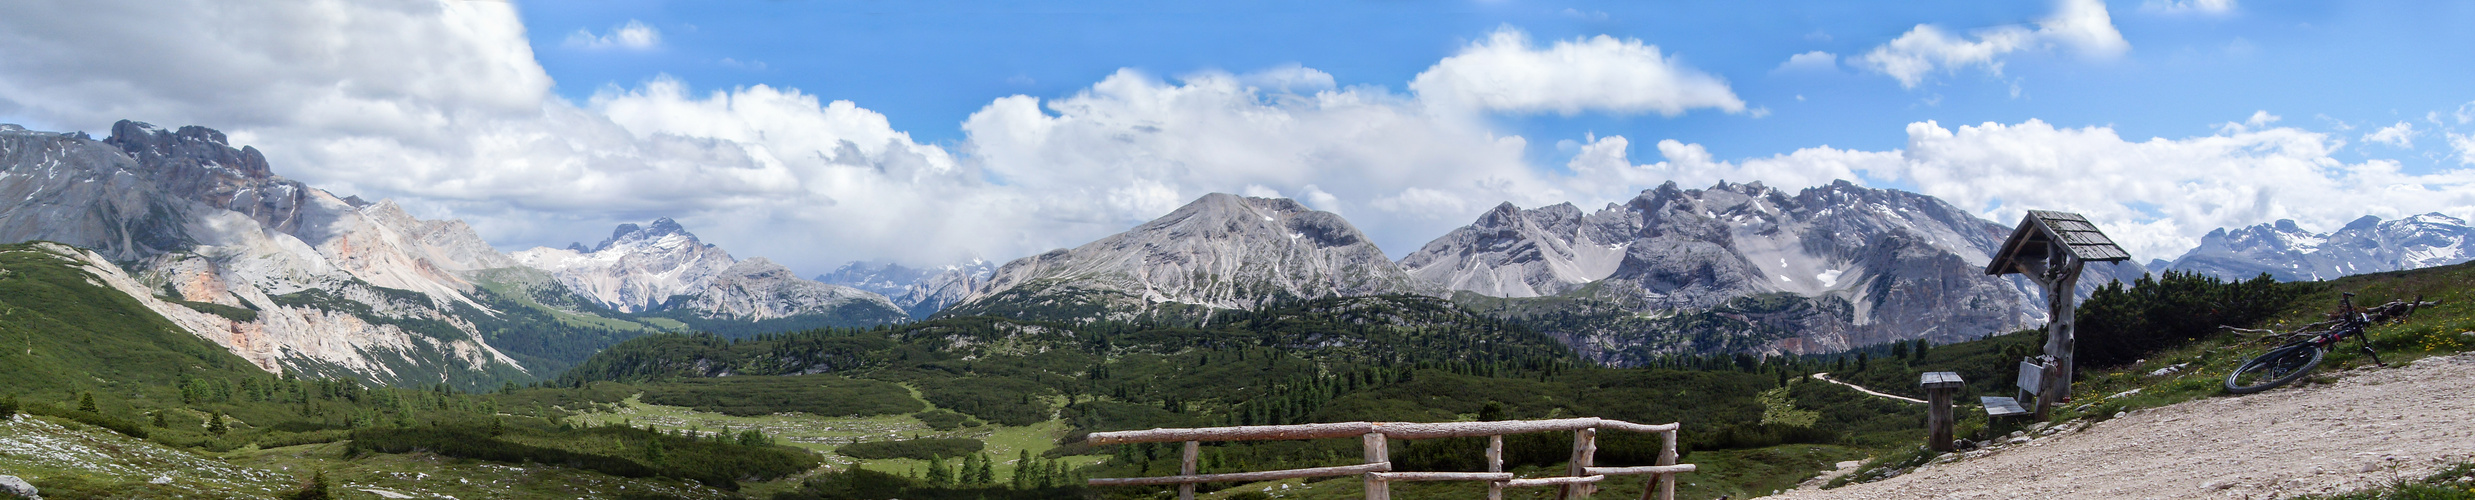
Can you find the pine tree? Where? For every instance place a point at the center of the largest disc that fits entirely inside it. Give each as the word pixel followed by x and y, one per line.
pixel 937 473
pixel 216 425
pixel 86 403
pixel 653 449
pixel 988 470
pixel 159 423
pixel 1022 463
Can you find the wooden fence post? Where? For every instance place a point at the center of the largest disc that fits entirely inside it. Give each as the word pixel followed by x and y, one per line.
pixel 1377 451
pixel 1665 482
pixel 1495 463
pixel 1194 451
pixel 1585 448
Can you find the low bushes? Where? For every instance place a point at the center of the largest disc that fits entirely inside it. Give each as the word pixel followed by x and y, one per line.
pixel 827 395
pixel 919 449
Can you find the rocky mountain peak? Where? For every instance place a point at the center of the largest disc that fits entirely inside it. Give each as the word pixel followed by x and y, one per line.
pixel 920 291
pixel 2366 245
pixel 1219 251
pixel 191 147
pixel 630 233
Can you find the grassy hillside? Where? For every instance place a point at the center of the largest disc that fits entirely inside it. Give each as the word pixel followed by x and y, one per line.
pixel 61 335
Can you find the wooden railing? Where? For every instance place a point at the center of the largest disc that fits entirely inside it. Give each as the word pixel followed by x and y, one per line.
pixel 1580 481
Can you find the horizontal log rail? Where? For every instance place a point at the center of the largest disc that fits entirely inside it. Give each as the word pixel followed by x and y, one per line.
pixel 1580 481
pixel 1248 477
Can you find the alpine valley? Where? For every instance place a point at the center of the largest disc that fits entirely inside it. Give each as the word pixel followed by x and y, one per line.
pixel 177 321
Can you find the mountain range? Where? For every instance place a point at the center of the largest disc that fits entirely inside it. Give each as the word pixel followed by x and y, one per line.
pixel 661 267
pixel 294 278
pixel 1221 251
pixel 1742 267
pixel 2288 252
pixel 920 291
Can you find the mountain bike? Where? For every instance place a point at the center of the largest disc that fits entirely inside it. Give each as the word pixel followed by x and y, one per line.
pixel 2296 358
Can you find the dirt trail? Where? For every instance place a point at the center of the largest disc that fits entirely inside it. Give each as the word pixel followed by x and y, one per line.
pixel 1825 377
pixel 2367 428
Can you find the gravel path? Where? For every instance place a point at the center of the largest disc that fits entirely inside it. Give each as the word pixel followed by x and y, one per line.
pixel 1825 377
pixel 2367 428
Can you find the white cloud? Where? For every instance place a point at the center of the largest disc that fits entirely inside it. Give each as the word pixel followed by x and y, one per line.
pixel 1817 61
pixel 1291 78
pixel 2259 120
pixel 2401 135
pixel 2466 113
pixel 2156 197
pixel 634 35
pixel 2211 7
pixel 1504 73
pixel 2082 25
pixel 2464 144
pixel 1398 170
pixel 459 122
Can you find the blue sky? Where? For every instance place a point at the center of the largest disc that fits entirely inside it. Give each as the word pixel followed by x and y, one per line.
pixel 820 132
pixel 928 65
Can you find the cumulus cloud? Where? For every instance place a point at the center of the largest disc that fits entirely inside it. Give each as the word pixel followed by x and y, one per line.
pixel 451 115
pixel 2401 135
pixel 634 35
pixel 2081 25
pixel 1505 73
pixel 459 122
pixel 2156 196
pixel 1396 168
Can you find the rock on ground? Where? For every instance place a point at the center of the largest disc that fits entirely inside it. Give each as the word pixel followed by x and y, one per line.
pixel 14 486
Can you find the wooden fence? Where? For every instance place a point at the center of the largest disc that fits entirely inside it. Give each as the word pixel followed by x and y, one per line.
pixel 1580 481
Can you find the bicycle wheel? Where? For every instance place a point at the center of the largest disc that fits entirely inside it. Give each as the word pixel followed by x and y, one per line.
pixel 2280 366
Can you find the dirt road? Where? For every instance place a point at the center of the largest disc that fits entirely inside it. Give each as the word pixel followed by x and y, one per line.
pixel 2367 428
pixel 1825 377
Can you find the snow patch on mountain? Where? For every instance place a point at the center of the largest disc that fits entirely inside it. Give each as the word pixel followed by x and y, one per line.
pixel 2287 252
pixel 920 291
pixel 661 266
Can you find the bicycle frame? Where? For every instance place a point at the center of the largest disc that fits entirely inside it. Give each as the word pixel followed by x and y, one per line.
pixel 2355 322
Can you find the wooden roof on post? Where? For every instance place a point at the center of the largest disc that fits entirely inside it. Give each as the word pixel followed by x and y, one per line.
pixel 2043 229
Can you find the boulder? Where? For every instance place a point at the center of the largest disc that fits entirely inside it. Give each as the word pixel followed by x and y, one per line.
pixel 14 486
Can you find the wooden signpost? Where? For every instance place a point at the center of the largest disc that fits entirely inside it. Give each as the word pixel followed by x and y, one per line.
pixel 2049 248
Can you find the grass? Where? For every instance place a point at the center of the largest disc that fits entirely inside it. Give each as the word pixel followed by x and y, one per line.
pixel 823 434
pixel 2454 483
pixel 2439 330
pixel 1743 473
pixel 2200 367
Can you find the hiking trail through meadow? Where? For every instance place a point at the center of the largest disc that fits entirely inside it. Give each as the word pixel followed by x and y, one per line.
pixel 2367 428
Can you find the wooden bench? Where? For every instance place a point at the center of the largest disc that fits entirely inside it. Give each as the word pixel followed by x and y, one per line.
pixel 2032 378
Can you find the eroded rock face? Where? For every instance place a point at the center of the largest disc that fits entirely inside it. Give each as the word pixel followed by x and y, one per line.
pixel 638 269
pixel 1221 251
pixel 920 291
pixel 1510 252
pixel 1818 270
pixel 2368 245
pixel 197 220
pixel 759 289
pixel 661 266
